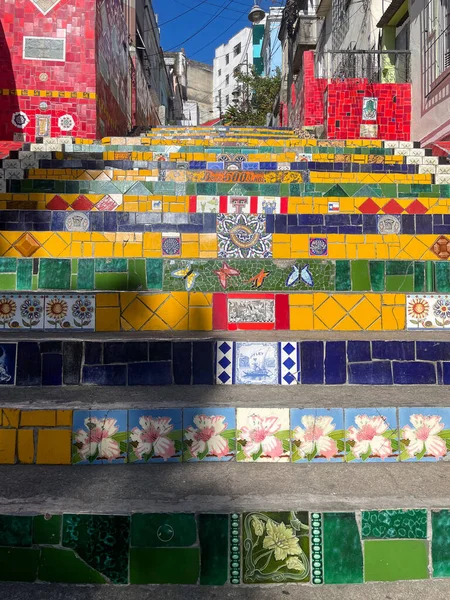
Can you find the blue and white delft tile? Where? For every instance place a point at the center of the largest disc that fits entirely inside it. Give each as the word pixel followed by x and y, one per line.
pixel 371 434
pixel 289 364
pixel 209 434
pixel 427 311
pixel 155 436
pixel 7 364
pixel 70 311
pixel 263 435
pixel 99 437
pixel 224 362
pixel 424 433
pixel 317 434
pixel 243 236
pixel 22 311
pixel 256 363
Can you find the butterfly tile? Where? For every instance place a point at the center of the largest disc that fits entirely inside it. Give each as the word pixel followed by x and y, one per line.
pixel 187 273
pixel 263 435
pixel 22 311
pixel 155 435
pixel 317 434
pixel 289 368
pixel 224 362
pixel 256 363
pixel 99 437
pixel 371 434
pixel 209 434
pixel 70 311
pixel 424 433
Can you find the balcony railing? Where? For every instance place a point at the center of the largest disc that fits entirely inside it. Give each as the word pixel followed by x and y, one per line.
pixel 389 66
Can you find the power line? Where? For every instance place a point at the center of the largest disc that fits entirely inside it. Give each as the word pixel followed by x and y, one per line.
pixel 182 14
pixel 209 4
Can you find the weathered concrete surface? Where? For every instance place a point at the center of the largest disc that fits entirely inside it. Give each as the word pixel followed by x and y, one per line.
pixel 415 590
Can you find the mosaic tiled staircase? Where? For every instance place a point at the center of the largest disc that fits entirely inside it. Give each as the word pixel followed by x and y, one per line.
pixel 174 260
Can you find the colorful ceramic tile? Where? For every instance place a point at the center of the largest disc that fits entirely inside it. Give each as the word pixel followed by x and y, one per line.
pixel 424 433
pixel 269 205
pixel 251 310
pixel 394 524
pixel 171 244
pixel 7 364
pixel 209 434
pixel 371 434
pixel 224 362
pixel 369 109
pixel 395 560
pixel 289 363
pixel 317 548
pixel 243 236
pixel 256 363
pixel 235 548
pixel 317 434
pixel 276 547
pixel 155 435
pixel 99 437
pixel 207 204
pixel 263 435
pixel 21 311
pixel 389 224
pixel 427 311
pixel 318 246
pixel 441 247
pixel 440 543
pixel 70 312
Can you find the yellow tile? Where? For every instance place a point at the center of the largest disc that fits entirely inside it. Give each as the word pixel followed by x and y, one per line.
pixel 281 250
pixel 132 250
pixel 330 312
pixel 301 318
pixel 208 242
pixel 157 324
pixel 301 299
pixel 171 312
pixel 64 418
pixel 365 313
pixel 11 417
pixel 200 299
pixel 393 317
pixel 37 418
pixel 107 319
pixel 25 446
pixel 347 324
pixel 7 446
pixel 200 319
pixel 107 300
pixel 190 250
pixel 54 447
pixel 137 314
pixel 103 250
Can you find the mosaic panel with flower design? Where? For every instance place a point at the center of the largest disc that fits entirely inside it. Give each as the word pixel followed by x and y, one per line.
pixel 155 435
pixel 276 547
pixel 263 435
pixel 430 311
pixel 209 434
pixel 70 311
pixel 21 311
pixel 99 437
pixel 371 434
pixel 243 236
pixel 424 433
pixel 317 434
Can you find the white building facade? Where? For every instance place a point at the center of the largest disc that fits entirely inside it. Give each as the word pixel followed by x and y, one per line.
pixel 271 46
pixel 237 53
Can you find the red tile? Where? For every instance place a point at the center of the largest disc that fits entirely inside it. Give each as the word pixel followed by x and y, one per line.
pixel 393 208
pixel 57 203
pixel 282 311
pixel 220 312
pixel 369 207
pixel 416 208
pixel 82 203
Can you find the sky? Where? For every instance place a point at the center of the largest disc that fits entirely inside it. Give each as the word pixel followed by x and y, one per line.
pixel 226 17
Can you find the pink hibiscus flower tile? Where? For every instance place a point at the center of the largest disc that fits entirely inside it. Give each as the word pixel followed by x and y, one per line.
pixel 155 435
pixel 317 434
pixel 371 434
pixel 424 433
pixel 263 435
pixel 209 434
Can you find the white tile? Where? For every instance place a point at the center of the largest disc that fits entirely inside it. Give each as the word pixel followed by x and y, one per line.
pixel 403 144
pixel 430 160
pixel 22 311
pixel 414 160
pixel 256 363
pixel 443 169
pixel 70 311
pixel 427 311
pixel 391 144
pixel 442 178
pixel 427 169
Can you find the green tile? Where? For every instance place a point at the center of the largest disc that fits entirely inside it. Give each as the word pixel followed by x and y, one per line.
pixel 336 191
pixel 111 281
pixel 74 282
pixel 111 265
pixel 164 565
pixel 399 267
pixel 86 274
pixel 343 282
pixel 24 272
pixel 163 529
pixel 47 530
pixel 19 564
pixel 399 283
pixel 388 524
pixel 34 282
pixel 8 265
pixel 64 566
pixel 419 276
pixel 154 269
pixel 360 276
pixel 15 531
pixel 343 561
pixel 440 544
pixel 136 274
pixel 395 560
pixel 213 536
pixel 442 276
pixel 206 189
pixel 54 272
pixel 376 270
pixel 74 264
pixel 8 281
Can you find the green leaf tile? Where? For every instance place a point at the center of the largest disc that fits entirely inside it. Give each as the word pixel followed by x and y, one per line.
pixel 395 560
pixel 213 536
pixel 8 281
pixel 399 283
pixel 136 274
pixel 163 529
pixel 399 267
pixel 19 564
pixel 54 271
pixel 440 544
pixel 388 524
pixel 343 560
pixel 419 276
pixel 64 566
pixel 164 565
pixel 15 530
pixel 442 276
pixel 8 265
pixel 111 281
pixel 47 530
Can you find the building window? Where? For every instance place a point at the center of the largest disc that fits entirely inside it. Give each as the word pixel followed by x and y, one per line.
pixel 227 80
pixel 227 59
pixel 237 49
pixel 236 70
pixel 437 42
pixel 219 72
pixel 227 100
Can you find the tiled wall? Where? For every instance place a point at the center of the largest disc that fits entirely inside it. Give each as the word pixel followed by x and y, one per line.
pixel 217 549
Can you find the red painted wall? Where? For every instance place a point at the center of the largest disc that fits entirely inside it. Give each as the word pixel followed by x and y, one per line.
pixel 308 108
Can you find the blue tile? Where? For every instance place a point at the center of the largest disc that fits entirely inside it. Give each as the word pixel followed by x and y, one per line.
pixel 51 347
pixel 105 375
pixel 28 364
pixel 408 224
pixel 7 364
pixel 335 363
pixel 203 363
pixel 270 223
pixel 440 380
pixel 150 373
pixel 375 373
pixel 310 219
pixel 414 372
pixel 280 224
pixel 433 350
pixel 358 351
pixel 93 353
pixel 424 224
pixel 393 350
pixel 52 369
pixel 182 363
pixel 72 356
pixel 124 352
pixel 159 351
pixel 312 362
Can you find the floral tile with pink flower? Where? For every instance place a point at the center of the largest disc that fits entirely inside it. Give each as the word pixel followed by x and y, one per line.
pixel 155 435
pixel 99 437
pixel 70 311
pixel 263 435
pixel 371 434
pixel 317 434
pixel 430 311
pixel 424 433
pixel 209 434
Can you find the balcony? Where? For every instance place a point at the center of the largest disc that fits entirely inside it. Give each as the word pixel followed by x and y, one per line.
pixel 306 34
pixel 389 66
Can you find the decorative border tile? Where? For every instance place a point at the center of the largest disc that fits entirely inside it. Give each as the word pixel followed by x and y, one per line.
pixel 427 311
